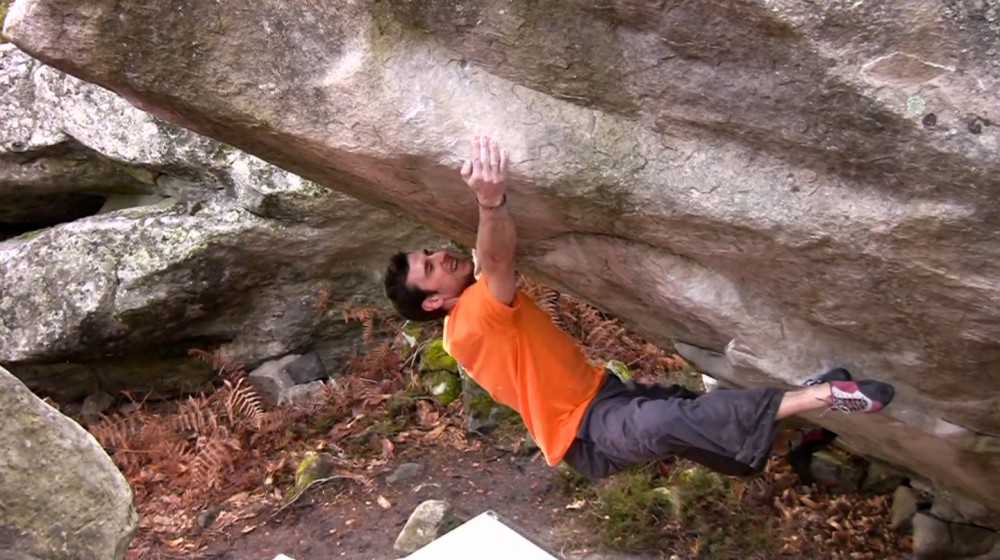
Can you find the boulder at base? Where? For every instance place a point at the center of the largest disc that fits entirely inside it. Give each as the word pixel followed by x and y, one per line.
pixel 61 496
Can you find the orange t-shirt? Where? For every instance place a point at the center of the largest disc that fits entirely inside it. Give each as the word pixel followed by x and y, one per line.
pixel 524 361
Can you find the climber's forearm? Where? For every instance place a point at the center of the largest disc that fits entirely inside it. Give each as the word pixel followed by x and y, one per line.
pixel 496 241
pixel 486 175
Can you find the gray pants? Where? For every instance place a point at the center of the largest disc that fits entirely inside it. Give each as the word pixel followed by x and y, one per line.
pixel 729 431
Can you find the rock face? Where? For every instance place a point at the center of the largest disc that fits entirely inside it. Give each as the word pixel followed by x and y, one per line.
pixel 63 498
pixel 815 183
pixel 426 523
pixel 162 241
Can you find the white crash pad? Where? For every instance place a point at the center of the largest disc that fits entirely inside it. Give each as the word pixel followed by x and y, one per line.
pixel 483 537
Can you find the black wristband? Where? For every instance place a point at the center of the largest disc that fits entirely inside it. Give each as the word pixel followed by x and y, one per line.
pixel 485 207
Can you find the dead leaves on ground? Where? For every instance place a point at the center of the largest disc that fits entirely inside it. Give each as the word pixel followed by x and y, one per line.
pixel 242 458
pixel 837 526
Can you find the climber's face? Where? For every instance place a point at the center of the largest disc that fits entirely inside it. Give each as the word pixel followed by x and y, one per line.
pixel 442 274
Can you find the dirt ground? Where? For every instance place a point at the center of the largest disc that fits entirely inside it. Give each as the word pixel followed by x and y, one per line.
pixel 226 497
pixel 358 513
pixel 345 521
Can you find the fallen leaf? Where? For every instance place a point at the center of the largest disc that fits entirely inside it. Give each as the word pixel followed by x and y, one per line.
pixel 807 501
pixel 238 497
pixel 427 413
pixel 383 502
pixel 387 448
pixel 576 504
pixel 436 432
pixel 739 490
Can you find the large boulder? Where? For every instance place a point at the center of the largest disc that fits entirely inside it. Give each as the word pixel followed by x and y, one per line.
pixel 782 186
pixel 63 498
pixel 148 240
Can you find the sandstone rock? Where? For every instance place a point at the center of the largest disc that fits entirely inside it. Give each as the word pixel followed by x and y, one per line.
pixel 299 393
pixel 881 478
pixel 63 498
pixel 271 381
pixel 446 380
pixel 306 368
pixel 482 413
pixel 95 405
pixel 936 539
pixel 274 382
pixel 833 471
pixel 404 472
pixel 816 182
pixel 14 555
pixel 195 244
pixel 904 507
pixel 425 524
pixel 952 506
pixel 931 539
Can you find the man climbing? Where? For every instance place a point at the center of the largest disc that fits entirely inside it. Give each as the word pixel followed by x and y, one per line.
pixel 578 412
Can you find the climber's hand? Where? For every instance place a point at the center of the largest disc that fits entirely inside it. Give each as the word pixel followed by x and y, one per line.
pixel 486 172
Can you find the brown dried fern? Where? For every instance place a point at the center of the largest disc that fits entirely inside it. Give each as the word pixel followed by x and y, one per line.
pixel 215 455
pixel 390 324
pixel 366 316
pixel 604 335
pixel 242 404
pixel 114 432
pixel 374 321
pixel 224 365
pixel 172 457
pixel 195 416
pixel 381 359
pixel 547 300
pixel 589 318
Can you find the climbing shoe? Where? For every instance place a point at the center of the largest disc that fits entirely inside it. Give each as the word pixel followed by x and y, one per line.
pixel 838 374
pixel 859 396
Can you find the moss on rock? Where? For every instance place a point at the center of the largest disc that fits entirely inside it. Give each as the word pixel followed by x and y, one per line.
pixel 3 16
pixel 434 358
pixel 314 466
pixel 482 413
pixel 619 369
pixel 445 386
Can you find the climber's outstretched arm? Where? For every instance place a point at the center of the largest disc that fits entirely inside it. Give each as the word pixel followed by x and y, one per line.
pixel 486 175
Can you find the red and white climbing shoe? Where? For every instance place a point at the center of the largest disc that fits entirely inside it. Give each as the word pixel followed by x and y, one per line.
pixel 837 374
pixel 859 396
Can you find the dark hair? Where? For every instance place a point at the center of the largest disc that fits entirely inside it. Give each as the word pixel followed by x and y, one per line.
pixel 407 300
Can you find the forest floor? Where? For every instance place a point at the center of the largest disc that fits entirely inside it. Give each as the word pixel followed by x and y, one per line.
pixel 215 475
